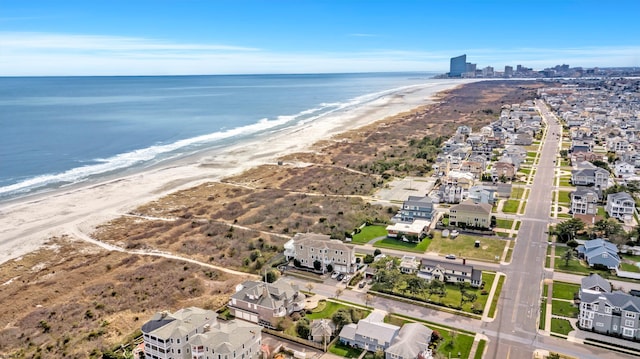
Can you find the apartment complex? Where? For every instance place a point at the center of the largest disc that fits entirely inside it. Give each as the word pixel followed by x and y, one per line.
pixel 470 214
pixel 309 248
pixel 195 333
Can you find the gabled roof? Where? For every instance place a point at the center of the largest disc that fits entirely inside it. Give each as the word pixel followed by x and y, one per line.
pixel 468 205
pixel 620 196
pixel 373 326
pixel 412 339
pixel 595 280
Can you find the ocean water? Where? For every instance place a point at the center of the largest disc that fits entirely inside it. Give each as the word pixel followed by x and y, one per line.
pixel 56 131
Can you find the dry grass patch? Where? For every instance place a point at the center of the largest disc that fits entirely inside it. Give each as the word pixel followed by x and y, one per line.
pixel 68 299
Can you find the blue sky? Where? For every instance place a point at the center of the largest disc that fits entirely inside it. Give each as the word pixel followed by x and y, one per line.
pixel 159 37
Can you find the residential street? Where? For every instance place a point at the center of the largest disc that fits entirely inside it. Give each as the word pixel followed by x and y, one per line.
pixel 514 331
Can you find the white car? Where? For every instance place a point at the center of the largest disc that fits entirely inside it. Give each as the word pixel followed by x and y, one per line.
pixel 335 275
pixel 346 278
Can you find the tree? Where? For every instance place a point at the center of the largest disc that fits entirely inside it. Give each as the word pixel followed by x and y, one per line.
pixel 329 267
pixel 317 265
pixel 415 285
pixel 368 259
pixel 271 276
pixel 339 292
pixel 567 229
pixel 303 329
pixel 309 286
pixel 572 244
pixel 494 221
pixel 367 299
pixel 377 252
pixel 341 318
pixel 608 227
pixel 567 256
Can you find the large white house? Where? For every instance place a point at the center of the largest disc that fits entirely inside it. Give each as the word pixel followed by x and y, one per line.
pixel 620 206
pixel 195 333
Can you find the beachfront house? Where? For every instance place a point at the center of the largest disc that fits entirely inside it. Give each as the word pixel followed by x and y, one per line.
pixel 266 303
pixel 309 248
pixel 194 332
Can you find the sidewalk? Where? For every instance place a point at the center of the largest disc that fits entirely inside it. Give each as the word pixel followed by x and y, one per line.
pixel 487 307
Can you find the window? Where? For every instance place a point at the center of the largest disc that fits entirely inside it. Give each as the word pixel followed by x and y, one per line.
pixel 627 332
pixel 628 323
pixel 607 310
pixel 595 307
pixel 630 315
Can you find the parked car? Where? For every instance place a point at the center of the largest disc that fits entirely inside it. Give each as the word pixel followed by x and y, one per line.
pixel 335 275
pixel 346 278
pixel 450 256
pixel 340 276
pixel 362 284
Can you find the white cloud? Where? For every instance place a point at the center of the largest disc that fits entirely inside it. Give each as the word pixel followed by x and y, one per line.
pixel 46 54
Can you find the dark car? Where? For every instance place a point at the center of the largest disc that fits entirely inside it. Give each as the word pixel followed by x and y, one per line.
pixel 362 284
pixel 340 277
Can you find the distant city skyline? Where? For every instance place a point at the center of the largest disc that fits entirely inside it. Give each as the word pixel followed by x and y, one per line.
pixel 145 37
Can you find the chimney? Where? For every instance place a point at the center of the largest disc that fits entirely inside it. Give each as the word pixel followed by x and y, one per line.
pixel 206 328
pixel 464 261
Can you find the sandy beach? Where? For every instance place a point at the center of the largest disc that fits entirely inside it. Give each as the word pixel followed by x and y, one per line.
pixel 26 224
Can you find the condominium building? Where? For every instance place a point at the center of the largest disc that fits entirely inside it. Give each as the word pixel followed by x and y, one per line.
pixel 458 66
pixel 620 206
pixel 470 214
pixel 309 248
pixel 195 333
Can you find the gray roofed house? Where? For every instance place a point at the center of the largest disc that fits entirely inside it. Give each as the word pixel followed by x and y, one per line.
pixel 371 333
pixel 615 313
pixel 596 283
pixel 597 177
pixel 449 271
pixel 599 252
pixel 412 340
pixel 322 329
pixel 266 303
pixel 191 332
pixel 416 207
pixel 584 200
pixel 620 206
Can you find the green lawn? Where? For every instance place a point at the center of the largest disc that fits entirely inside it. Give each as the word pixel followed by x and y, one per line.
pixel 560 326
pixel 564 197
pixel 565 181
pixel 562 290
pixel 543 314
pixel 368 233
pixel 601 212
pixel 344 351
pixel 392 243
pixel 325 309
pixel 564 309
pixel 504 223
pixel 480 349
pixel 631 257
pixel 510 206
pixel 518 223
pixel 494 302
pixel 629 267
pixel 463 246
pixel 516 193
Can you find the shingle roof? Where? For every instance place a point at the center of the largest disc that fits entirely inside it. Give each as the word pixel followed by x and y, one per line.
pixel 595 280
pixel 412 339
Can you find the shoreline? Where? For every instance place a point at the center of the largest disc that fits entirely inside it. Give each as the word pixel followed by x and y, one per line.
pixel 28 222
